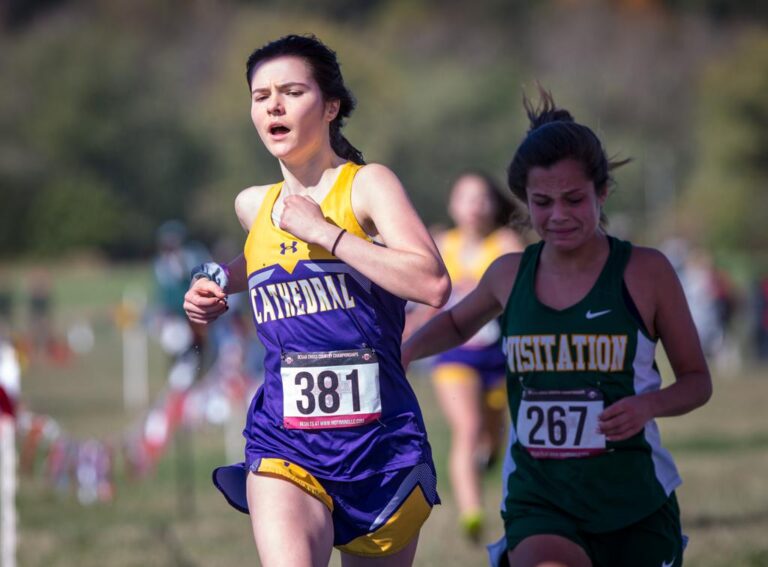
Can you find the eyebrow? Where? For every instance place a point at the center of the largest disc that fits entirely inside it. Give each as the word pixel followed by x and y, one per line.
pixel 281 87
pixel 566 193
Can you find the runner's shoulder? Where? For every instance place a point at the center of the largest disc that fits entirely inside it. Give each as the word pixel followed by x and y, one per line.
pixel 648 264
pixel 500 275
pixel 248 202
pixel 505 265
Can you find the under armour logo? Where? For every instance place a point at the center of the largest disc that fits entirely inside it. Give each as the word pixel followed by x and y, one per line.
pixel 294 247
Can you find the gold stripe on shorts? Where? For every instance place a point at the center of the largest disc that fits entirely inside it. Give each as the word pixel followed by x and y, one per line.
pixel 298 476
pixel 455 372
pixel 496 396
pixel 401 527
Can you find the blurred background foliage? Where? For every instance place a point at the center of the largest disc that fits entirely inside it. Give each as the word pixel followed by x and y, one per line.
pixel 117 116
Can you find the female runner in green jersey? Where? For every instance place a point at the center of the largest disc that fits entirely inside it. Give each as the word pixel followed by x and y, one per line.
pixel 586 480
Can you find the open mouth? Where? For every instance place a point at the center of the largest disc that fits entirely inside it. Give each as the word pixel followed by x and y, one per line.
pixel 562 231
pixel 278 130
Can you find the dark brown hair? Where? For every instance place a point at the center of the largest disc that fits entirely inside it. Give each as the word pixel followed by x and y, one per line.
pixel 553 136
pixel 326 72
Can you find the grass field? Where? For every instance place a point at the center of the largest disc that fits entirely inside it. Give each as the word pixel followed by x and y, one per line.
pixel 721 450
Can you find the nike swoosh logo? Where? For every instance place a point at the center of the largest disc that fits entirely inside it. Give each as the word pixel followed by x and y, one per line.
pixel 596 314
pixel 665 564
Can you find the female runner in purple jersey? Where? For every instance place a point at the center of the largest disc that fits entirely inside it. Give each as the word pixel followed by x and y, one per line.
pixel 333 252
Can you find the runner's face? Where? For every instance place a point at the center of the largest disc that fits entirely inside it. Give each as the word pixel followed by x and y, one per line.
pixel 287 108
pixel 471 206
pixel 563 203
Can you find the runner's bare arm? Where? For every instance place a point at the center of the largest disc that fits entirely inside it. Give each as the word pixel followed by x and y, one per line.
pixel 674 326
pixel 671 321
pixel 409 264
pixel 455 326
pixel 417 314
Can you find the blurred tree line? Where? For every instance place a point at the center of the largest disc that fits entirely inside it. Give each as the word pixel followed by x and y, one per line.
pixel 117 116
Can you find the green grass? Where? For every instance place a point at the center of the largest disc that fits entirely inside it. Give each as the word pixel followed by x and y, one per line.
pixel 721 450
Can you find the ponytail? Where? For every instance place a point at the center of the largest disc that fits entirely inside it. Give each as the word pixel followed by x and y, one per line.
pixel 342 147
pixel 553 136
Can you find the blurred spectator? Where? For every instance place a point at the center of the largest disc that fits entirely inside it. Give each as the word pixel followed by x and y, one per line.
pixel 39 286
pixel 42 337
pixel 712 299
pixel 172 265
pixel 698 282
pixel 760 322
pixel 180 339
pixel 676 251
pixel 726 299
pixel 6 306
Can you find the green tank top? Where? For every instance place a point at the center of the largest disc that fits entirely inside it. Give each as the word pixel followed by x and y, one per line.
pixel 563 367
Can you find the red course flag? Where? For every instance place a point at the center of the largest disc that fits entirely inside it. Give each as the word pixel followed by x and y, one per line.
pixel 10 372
pixel 7 404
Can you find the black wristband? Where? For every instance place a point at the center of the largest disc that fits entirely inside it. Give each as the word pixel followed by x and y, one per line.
pixel 336 243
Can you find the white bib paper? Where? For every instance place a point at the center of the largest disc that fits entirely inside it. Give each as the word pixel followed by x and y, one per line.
pixel 325 390
pixel 560 424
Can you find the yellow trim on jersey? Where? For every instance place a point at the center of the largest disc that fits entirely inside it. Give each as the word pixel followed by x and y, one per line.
pixel 298 476
pixel 397 532
pixel 458 268
pixel 269 245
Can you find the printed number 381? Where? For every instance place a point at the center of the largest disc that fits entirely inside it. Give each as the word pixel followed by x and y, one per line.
pixel 327 399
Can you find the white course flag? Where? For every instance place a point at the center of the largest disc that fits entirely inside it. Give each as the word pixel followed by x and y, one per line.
pixel 7 491
pixel 10 374
pixel 135 365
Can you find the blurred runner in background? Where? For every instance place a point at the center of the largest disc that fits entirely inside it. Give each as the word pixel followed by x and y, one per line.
pixel 469 380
